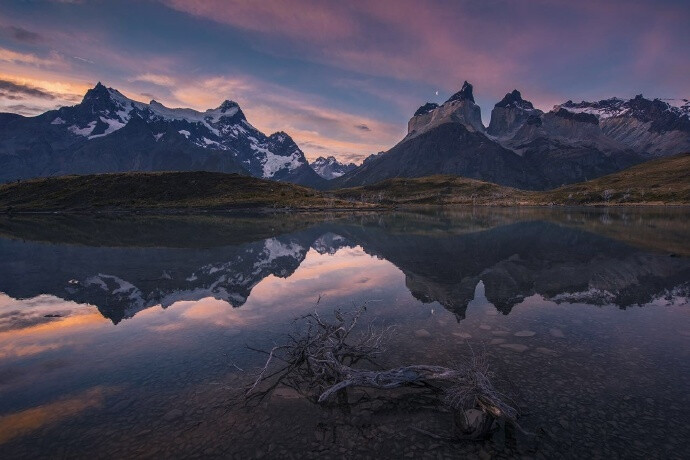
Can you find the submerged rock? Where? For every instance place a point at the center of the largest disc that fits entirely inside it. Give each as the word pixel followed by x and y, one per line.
pixel 501 333
pixel 557 333
pixel 462 335
pixel 525 334
pixel 422 333
pixel 515 347
pixel 173 414
pixel 546 351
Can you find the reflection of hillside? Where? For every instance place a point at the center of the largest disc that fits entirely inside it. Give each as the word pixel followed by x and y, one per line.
pixel 443 256
pixel 658 229
pixel 173 231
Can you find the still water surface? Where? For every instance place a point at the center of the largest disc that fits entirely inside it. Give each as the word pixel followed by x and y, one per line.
pixel 124 337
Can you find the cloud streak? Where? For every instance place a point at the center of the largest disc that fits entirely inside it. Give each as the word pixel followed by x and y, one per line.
pixel 22 35
pixel 16 91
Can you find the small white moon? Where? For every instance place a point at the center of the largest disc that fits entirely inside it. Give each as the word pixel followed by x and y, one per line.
pixel 437 93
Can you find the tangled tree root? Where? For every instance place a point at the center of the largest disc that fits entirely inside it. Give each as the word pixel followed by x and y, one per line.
pixel 326 359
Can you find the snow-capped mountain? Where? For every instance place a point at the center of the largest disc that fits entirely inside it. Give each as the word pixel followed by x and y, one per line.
pixel 330 168
pixel 88 137
pixel 527 148
pixel 650 127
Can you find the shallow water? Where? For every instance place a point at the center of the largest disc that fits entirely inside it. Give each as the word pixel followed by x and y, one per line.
pixel 124 337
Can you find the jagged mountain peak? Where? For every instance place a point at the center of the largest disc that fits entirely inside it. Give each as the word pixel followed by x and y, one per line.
pixel 97 92
pixel 514 99
pixel 465 93
pixel 283 139
pixel 330 168
pixel 228 105
pixel 454 110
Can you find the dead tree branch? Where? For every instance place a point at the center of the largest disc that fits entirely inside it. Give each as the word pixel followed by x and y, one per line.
pixel 326 359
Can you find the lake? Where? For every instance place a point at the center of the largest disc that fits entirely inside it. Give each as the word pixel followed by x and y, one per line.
pixel 124 336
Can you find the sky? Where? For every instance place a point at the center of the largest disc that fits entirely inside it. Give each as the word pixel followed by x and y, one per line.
pixel 341 77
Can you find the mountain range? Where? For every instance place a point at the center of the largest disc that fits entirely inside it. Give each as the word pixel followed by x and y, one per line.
pixel 525 147
pixel 522 147
pixel 108 132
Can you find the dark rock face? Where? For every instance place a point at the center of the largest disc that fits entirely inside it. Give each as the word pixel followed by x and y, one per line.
pixel 510 114
pixel 426 108
pixel 465 94
pixel 107 132
pixel 579 117
pixel 514 99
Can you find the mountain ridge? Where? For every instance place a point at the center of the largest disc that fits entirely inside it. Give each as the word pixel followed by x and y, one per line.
pixel 528 148
pixel 79 139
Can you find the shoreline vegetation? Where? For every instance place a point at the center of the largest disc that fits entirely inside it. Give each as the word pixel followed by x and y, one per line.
pixel 663 182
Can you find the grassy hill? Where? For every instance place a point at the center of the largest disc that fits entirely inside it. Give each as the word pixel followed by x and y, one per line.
pixel 433 190
pixel 663 181
pixel 160 191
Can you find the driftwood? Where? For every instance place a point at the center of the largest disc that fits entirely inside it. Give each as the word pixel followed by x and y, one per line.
pixel 327 358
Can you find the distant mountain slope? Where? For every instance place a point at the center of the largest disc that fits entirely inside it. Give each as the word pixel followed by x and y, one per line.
pixel 330 168
pixel 666 180
pixel 108 132
pixel 526 148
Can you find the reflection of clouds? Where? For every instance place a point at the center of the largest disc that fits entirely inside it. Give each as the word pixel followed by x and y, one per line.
pixel 24 329
pixel 21 314
pixel 28 420
pixel 337 276
pixel 217 312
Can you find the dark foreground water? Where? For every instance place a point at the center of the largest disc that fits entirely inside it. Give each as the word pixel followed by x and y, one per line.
pixel 126 337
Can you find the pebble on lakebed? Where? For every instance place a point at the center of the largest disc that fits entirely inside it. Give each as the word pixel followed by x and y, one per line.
pixel 462 335
pixel 557 333
pixel 525 334
pixel 422 333
pixel 515 347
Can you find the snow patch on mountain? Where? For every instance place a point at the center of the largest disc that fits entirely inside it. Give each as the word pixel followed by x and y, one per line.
pixel 113 125
pixel 273 163
pixel 608 108
pixel 83 131
pixel 275 249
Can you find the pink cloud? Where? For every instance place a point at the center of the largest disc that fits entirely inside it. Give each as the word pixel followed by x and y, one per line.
pixel 443 44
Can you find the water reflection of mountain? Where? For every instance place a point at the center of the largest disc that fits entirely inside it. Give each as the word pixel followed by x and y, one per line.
pixel 520 259
pixel 443 259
